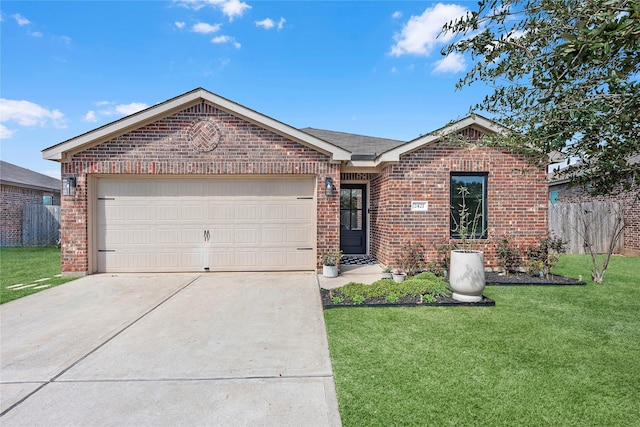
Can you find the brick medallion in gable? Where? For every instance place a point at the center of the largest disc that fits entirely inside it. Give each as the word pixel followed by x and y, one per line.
pixel 204 135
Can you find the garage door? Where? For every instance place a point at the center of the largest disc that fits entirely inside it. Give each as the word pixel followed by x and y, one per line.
pixel 215 224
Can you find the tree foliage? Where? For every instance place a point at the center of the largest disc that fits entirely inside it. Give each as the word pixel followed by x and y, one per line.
pixel 564 75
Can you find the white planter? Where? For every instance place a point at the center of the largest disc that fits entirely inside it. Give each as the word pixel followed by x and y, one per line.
pixel 387 276
pixel 330 270
pixel 466 275
pixel 399 278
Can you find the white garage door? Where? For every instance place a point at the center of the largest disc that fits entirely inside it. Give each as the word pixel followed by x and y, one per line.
pixel 219 224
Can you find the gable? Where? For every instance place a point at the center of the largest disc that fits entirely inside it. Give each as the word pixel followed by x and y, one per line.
pixel 62 152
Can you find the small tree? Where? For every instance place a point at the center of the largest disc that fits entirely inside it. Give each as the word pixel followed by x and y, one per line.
pixel 466 224
pixel 611 223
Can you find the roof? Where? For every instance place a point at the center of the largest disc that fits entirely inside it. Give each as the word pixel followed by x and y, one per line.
pixel 556 176
pixel 63 151
pixel 352 150
pixel 17 176
pixel 359 145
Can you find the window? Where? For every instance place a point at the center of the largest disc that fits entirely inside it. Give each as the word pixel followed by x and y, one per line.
pixel 47 200
pixel 468 197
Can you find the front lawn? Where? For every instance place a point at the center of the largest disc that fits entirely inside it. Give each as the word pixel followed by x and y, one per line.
pixel 565 355
pixel 25 266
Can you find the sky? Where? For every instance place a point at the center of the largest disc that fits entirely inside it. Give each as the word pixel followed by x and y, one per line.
pixel 365 67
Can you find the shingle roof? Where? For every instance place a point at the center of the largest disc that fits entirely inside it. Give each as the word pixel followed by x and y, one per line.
pixel 359 145
pixel 11 174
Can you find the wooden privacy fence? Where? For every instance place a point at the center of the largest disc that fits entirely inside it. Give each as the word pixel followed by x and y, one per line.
pixel 595 220
pixel 40 225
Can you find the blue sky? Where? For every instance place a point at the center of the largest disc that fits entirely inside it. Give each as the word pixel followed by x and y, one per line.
pixel 371 68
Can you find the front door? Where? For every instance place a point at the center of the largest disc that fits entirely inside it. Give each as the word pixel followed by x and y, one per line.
pixel 353 206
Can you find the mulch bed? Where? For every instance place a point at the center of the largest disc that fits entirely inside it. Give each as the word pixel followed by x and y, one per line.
pixel 493 279
pixel 327 302
pixel 523 279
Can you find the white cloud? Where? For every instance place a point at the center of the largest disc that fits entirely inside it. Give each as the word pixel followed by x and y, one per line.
pixel 36 34
pixel 204 28
pixel 419 36
pixel 91 116
pixel 6 133
pixel 26 113
pixel 226 39
pixel 21 20
pixel 267 23
pixel 112 109
pixel 134 107
pixel 452 63
pixel 397 14
pixel 234 8
pixel 180 24
pixel 230 8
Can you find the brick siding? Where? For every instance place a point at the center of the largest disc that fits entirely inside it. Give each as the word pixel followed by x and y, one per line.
pixel 12 201
pixel 162 148
pixel 517 200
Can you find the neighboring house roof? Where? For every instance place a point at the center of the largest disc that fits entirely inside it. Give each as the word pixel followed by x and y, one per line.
pixel 555 176
pixel 359 145
pixel 17 176
pixel 63 151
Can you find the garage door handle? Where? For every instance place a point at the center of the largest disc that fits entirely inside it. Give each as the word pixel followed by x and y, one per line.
pixel 207 235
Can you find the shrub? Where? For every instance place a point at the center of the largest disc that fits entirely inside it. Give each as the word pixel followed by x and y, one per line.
pixel 508 256
pixel 420 284
pixel 412 259
pixel 546 255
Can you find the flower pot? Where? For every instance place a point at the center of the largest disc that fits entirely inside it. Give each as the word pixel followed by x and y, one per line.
pixel 330 270
pixel 399 278
pixel 387 276
pixel 466 275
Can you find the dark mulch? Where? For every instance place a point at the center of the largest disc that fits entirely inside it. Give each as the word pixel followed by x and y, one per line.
pixel 327 302
pixel 523 279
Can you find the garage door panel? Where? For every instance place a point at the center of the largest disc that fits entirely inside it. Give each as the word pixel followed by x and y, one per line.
pixel 273 258
pixel 159 224
pixel 272 235
pixel 192 212
pixel 299 235
pixel 299 259
pixel 299 212
pixel 167 212
pixel 246 259
pixel 272 211
pixel 245 211
pixel 220 212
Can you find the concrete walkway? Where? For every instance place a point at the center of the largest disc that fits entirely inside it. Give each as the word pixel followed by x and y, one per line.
pixel 215 349
pixel 366 274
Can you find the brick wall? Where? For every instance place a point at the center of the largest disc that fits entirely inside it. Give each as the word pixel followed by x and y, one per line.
pixel 517 201
pixel 12 201
pixel 164 148
pixel 628 200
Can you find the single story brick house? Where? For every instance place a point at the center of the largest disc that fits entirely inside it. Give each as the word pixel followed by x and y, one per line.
pixel 200 183
pixel 19 187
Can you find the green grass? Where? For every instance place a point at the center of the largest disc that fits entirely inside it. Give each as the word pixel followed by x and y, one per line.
pixel 24 266
pixel 550 356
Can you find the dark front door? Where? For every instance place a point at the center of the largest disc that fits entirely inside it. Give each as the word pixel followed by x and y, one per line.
pixel 353 206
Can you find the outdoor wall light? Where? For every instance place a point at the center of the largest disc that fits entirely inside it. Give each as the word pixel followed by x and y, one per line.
pixel 328 186
pixel 69 186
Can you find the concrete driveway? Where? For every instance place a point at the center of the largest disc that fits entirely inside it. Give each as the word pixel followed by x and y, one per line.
pixel 212 349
